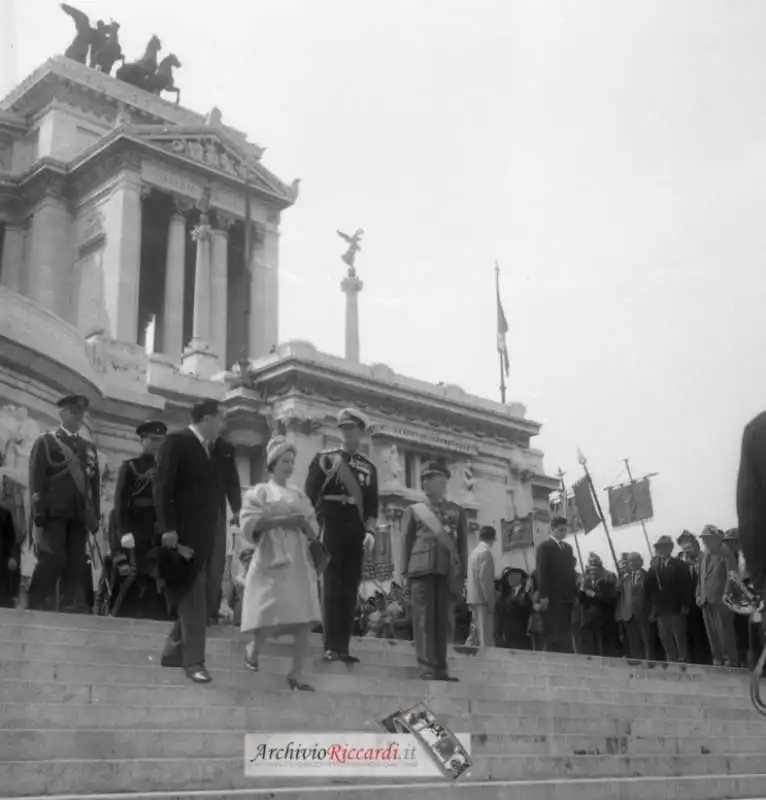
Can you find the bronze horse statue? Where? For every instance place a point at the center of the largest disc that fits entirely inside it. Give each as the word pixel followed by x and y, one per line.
pixel 141 73
pixel 162 80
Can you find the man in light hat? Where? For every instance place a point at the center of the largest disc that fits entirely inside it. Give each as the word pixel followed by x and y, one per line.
pixel 434 559
pixel 667 588
pixel 64 487
pixel 135 587
pixel 712 576
pixel 343 487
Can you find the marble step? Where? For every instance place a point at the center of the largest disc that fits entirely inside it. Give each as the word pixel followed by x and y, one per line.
pixel 186 774
pixel 278 716
pixel 272 698
pixel 350 683
pixel 711 787
pixel 360 645
pixel 280 664
pixel 103 743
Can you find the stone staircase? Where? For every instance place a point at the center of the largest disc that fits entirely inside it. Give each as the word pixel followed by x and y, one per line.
pixel 86 711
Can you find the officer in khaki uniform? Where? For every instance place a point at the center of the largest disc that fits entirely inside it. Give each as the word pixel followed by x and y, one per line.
pixel 434 559
pixel 64 487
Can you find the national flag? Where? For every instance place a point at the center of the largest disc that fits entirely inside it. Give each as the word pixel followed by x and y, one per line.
pixel 586 506
pixel 630 503
pixel 502 326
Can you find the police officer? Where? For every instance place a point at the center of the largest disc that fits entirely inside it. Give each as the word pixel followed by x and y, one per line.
pixel 343 486
pixel 135 592
pixel 64 487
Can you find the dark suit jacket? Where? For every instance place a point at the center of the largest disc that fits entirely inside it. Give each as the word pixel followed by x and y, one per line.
pixel 52 492
pixel 9 548
pixel 190 490
pixel 228 476
pixel 751 499
pixel 555 572
pixel 712 574
pixel 667 588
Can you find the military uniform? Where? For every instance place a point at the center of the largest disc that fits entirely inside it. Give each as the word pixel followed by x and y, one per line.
pixel 135 588
pixel 64 487
pixel 434 560
pixel 347 510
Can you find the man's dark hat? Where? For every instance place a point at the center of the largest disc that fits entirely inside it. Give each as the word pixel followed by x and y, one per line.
pixel 434 468
pixel 77 401
pixel 686 536
pixel 151 428
pixel 509 570
pixel 664 541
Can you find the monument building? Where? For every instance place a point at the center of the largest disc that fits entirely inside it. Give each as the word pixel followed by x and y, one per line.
pixel 139 266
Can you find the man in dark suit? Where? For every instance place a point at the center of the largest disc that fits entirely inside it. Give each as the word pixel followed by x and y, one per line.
pixel 10 560
pixel 343 487
pixel 188 498
pixel 434 562
pixel 667 589
pixel 224 458
pixel 557 587
pixel 64 487
pixel 633 610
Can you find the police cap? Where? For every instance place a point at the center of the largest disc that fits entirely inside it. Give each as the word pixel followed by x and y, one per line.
pixel 75 401
pixel 151 428
pixel 351 417
pixel 434 468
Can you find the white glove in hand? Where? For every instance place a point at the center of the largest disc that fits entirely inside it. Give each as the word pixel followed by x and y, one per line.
pixel 128 542
pixel 225 614
pixel 369 542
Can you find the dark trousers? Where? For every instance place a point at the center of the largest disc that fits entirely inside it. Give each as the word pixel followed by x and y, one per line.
pixel 639 639
pixel 215 569
pixel 141 600
pixel 672 630
pixel 340 584
pixel 699 648
pixel 558 628
pixel 185 645
pixel 719 623
pixel 60 551
pixel 431 602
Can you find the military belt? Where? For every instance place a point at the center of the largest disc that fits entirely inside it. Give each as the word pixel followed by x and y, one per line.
pixel 340 498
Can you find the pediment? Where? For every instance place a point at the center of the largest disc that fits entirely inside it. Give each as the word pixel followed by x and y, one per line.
pixel 214 150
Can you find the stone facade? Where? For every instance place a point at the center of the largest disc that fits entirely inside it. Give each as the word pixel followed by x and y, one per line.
pixel 121 213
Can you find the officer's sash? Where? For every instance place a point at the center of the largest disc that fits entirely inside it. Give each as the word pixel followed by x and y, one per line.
pixel 73 468
pixel 426 517
pixel 341 470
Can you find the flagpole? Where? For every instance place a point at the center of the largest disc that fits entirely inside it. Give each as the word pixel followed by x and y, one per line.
pixel 499 351
pixel 584 463
pixel 633 495
pixel 565 514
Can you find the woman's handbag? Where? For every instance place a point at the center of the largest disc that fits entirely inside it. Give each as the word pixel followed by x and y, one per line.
pixel 320 557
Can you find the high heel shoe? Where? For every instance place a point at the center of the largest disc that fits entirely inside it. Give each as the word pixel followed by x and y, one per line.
pixel 294 684
pixel 251 659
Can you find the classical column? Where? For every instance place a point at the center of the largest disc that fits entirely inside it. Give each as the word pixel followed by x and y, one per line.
pixel 11 266
pixel 122 256
pixel 175 268
pixel 50 255
pixel 351 286
pixel 264 292
pixel 219 287
pixel 198 358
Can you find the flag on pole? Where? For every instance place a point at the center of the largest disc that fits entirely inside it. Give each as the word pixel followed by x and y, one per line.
pixel 586 507
pixel 630 503
pixel 502 326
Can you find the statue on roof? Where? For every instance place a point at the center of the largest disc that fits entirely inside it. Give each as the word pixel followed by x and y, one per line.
pixel 354 246
pixel 102 42
pixel 140 73
pixel 78 50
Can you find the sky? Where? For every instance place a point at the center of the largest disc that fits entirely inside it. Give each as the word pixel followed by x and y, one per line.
pixel 609 154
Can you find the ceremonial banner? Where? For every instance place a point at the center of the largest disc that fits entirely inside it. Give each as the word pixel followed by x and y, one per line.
pixel 586 507
pixel 574 523
pixel 517 534
pixel 630 503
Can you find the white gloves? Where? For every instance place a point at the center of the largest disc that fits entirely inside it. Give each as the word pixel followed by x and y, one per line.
pixel 128 542
pixel 369 542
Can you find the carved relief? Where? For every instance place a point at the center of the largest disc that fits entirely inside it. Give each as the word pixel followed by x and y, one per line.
pixel 224 221
pixel 18 432
pixel 468 480
pixel 392 466
pixel 125 363
pixel 182 205
pixel 210 151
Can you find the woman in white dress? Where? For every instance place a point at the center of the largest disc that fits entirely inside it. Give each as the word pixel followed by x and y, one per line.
pixel 281 591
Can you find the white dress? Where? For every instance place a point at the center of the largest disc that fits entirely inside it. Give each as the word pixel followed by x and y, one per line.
pixel 281 586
